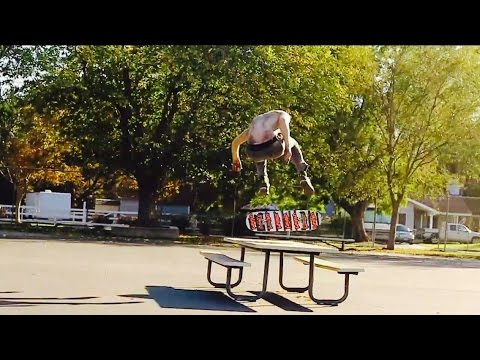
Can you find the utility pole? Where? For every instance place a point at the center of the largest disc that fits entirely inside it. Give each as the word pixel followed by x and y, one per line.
pixel 446 222
pixel 374 221
pixel 446 225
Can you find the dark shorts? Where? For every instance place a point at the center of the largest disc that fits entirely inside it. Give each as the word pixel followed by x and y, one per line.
pixel 270 149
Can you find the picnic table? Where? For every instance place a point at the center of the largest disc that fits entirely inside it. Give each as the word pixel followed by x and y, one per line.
pixel 271 246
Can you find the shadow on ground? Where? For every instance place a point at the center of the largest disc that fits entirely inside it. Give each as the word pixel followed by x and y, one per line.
pixel 169 297
pixel 31 301
pixel 283 302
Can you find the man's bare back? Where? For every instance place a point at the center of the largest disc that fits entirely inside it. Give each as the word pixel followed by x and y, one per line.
pixel 265 126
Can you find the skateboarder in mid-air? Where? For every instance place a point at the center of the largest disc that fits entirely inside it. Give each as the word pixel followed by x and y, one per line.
pixel 268 137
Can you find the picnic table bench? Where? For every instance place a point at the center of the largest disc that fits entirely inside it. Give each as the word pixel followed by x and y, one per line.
pixel 229 263
pixel 329 265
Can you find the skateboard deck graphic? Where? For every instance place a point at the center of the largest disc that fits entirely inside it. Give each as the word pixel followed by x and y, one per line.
pixel 283 220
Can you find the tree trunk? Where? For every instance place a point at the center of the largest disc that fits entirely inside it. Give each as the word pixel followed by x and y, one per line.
pixel 20 190
pixel 393 224
pixel 356 212
pixel 147 186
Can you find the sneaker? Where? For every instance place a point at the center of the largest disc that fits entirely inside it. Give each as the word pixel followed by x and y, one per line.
pixel 264 191
pixel 307 185
pixel 265 186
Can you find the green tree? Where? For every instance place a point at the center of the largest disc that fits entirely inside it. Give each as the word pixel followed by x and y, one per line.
pixel 159 109
pixel 23 149
pixel 429 99
pixel 351 154
pixel 315 84
pixel 33 153
pixel 331 99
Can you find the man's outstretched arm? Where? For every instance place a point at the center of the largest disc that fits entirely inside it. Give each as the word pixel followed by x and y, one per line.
pixel 239 140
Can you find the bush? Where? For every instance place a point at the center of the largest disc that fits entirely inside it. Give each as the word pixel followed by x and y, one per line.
pixel 204 228
pixel 181 222
pixel 102 219
pixel 239 229
pixel 128 220
pixel 338 223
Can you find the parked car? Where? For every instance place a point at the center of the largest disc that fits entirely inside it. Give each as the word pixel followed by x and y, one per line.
pixel 459 233
pixel 404 234
pixel 455 233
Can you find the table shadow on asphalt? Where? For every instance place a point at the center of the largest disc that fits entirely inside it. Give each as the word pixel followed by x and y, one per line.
pixel 49 298
pixel 169 297
pixel 283 302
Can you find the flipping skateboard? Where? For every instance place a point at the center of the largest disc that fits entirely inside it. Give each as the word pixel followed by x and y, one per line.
pixel 283 220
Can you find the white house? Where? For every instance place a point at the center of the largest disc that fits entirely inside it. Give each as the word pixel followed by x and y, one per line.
pixel 431 214
pixel 428 213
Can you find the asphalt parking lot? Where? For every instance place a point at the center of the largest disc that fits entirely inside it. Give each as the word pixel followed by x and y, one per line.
pixel 69 277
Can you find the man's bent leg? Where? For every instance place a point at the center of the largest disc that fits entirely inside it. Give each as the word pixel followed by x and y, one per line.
pixel 260 156
pixel 263 177
pixel 297 156
pixel 302 167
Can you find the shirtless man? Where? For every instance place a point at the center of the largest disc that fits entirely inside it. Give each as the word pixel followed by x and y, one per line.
pixel 268 137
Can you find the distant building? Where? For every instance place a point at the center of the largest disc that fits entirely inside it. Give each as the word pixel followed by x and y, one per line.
pixel 129 205
pixel 428 213
pixel 116 205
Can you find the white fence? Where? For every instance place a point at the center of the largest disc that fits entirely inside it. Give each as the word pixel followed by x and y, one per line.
pixel 83 216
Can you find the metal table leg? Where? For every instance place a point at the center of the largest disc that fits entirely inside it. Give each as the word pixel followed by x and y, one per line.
pixel 333 302
pixel 280 278
pixel 264 286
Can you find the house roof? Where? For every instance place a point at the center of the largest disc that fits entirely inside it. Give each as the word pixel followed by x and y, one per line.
pixel 473 204
pixel 424 206
pixel 454 204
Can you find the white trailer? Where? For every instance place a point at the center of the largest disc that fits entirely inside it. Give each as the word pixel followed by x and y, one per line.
pixel 48 205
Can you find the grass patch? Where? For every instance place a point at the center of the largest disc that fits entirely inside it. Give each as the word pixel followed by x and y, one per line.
pixel 200 239
pixel 441 253
pixel 99 234
pixel 460 251
pixel 52 229
pixel 453 250
pixel 454 246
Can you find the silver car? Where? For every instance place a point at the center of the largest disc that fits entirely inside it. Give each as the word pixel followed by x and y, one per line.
pixel 404 234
